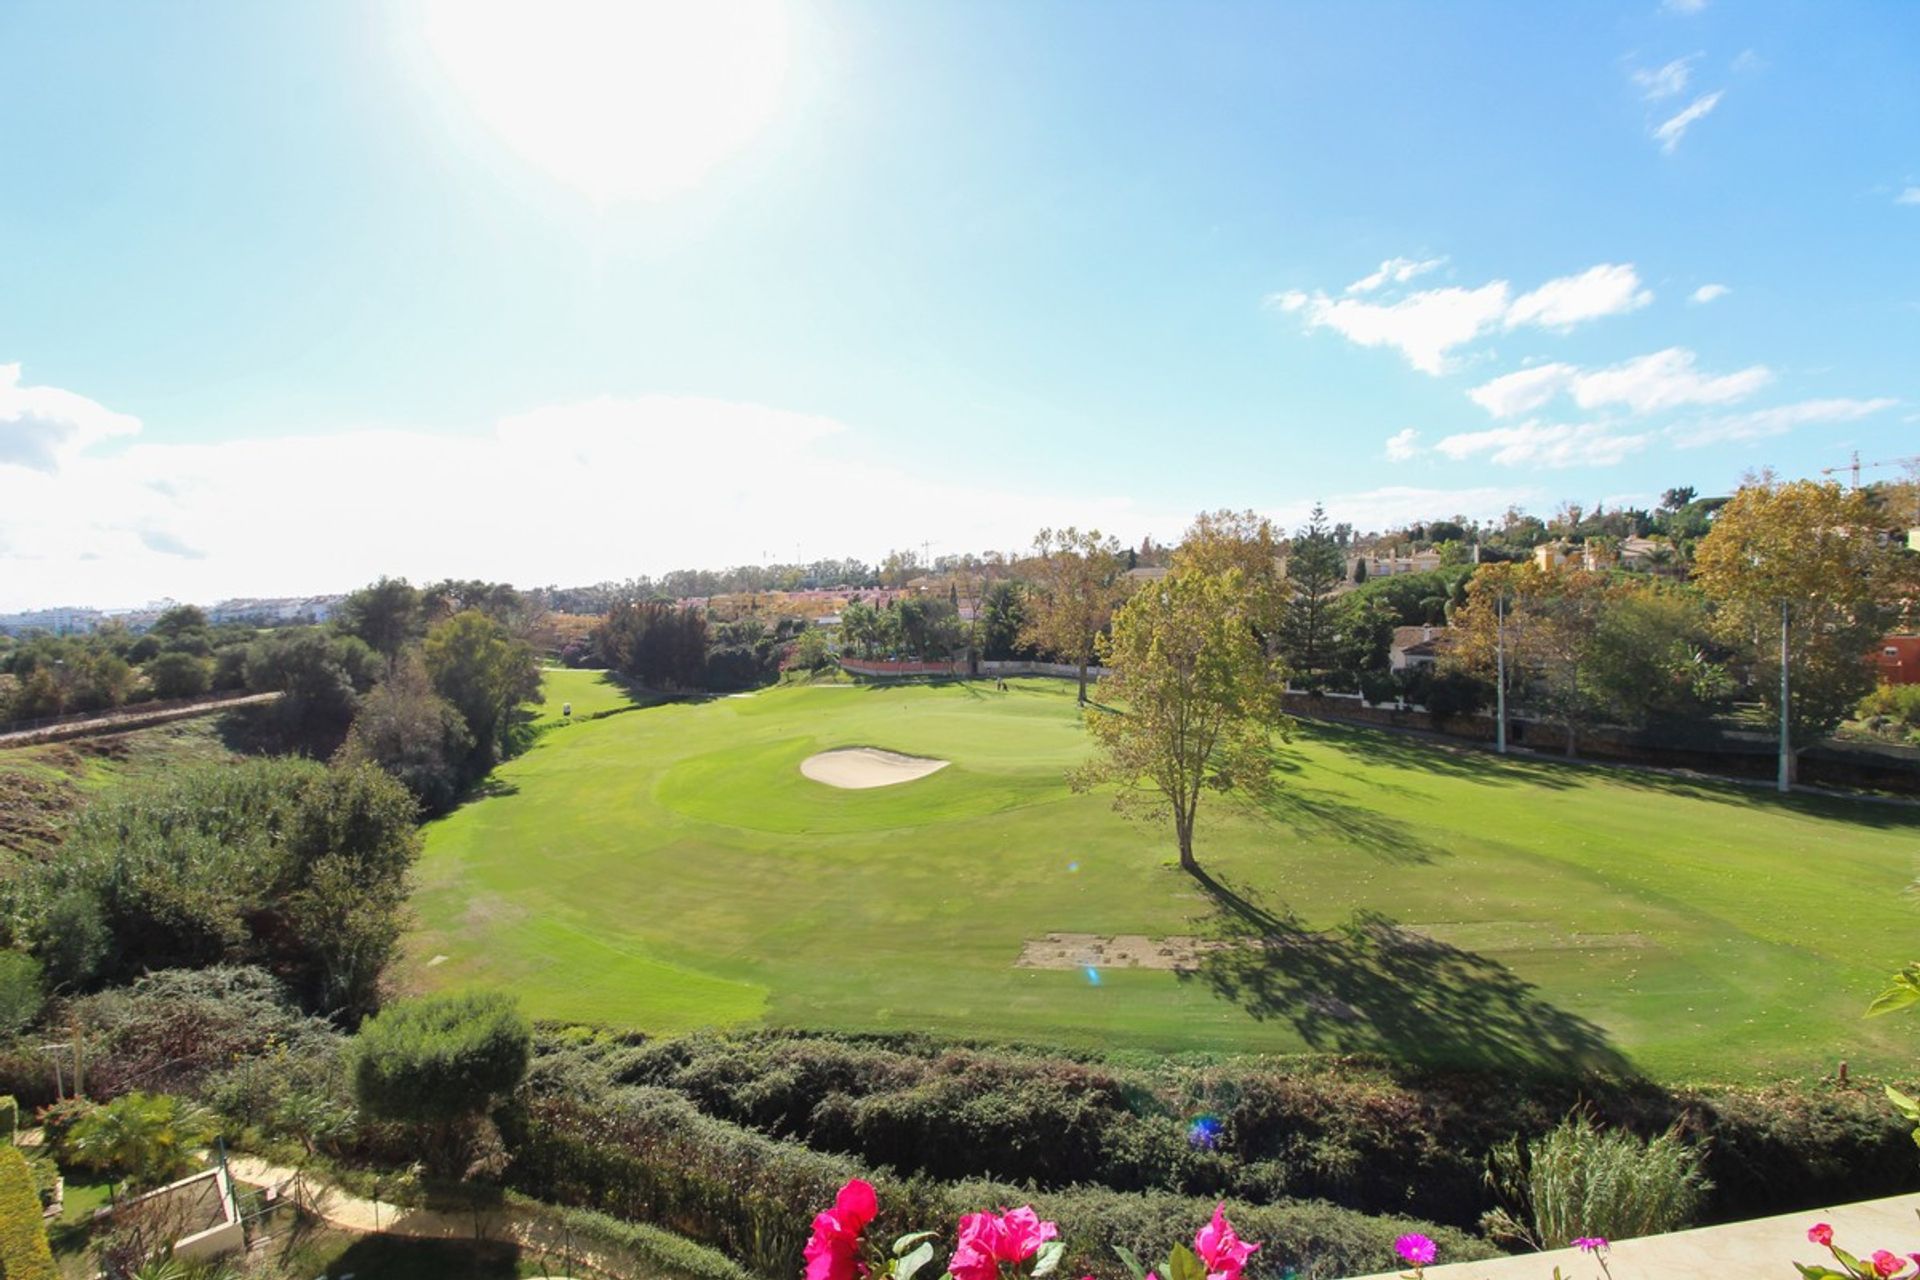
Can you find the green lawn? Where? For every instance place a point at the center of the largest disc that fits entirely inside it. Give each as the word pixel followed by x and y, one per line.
pixel 671 868
pixel 591 693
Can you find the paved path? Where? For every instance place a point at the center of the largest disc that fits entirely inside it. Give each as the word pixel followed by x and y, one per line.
pixel 1757 1247
pixel 127 719
pixel 525 1226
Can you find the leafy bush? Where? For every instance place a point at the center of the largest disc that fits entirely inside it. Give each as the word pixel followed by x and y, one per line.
pixel 179 675
pixel 191 1030
pixel 1581 1180
pixel 9 1120
pixel 283 862
pixel 647 1153
pixel 663 1253
pixel 24 1254
pixel 1361 1134
pixel 22 992
pixel 143 1138
pixel 440 1059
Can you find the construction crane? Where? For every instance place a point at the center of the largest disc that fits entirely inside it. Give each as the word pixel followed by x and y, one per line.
pixel 1853 468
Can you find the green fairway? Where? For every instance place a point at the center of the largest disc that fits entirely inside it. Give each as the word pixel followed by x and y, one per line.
pixel 591 693
pixel 671 868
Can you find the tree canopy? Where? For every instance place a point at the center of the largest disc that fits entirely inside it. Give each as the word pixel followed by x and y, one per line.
pixel 1196 702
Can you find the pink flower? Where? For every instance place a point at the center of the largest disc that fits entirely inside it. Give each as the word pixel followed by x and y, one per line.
pixel 1221 1248
pixel 1820 1233
pixel 1415 1249
pixel 834 1251
pixel 987 1240
pixel 1590 1244
pixel 1885 1263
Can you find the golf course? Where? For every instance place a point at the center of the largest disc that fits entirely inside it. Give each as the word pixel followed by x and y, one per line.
pixel 673 866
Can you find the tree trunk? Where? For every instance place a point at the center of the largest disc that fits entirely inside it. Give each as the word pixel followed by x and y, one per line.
pixel 1793 766
pixel 1570 740
pixel 1184 828
pixel 1083 683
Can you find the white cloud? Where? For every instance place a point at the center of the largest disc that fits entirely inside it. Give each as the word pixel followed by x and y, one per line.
pixel 1423 326
pixel 1646 384
pixel 1665 380
pixel 1512 394
pixel 1708 293
pixel 1665 82
pixel 1684 6
pixel 570 493
pixel 1609 289
pixel 1910 196
pixel 41 427
pixel 1545 444
pixel 1427 326
pixel 1777 421
pixel 1395 271
pixel 1403 446
pixel 1668 135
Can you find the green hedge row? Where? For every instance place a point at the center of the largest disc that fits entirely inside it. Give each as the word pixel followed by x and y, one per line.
pixel 664 1256
pixel 24 1254
pixel 1356 1132
pixel 647 1154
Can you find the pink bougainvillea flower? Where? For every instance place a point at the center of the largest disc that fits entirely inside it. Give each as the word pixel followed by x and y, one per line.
pixel 1415 1249
pixel 834 1251
pixel 1885 1263
pixel 1221 1248
pixel 1820 1233
pixel 987 1240
pixel 1590 1244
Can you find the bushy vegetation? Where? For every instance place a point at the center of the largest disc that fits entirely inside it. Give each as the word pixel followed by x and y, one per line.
pixel 285 863
pixel 1583 1181
pixel 438 1065
pixel 1358 1134
pixel 581 1137
pixel 24 1254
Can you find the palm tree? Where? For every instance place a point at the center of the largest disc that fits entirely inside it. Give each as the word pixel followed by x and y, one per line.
pixel 141 1138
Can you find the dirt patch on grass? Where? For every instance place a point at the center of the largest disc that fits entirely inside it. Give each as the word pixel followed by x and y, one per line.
pixel 1117 951
pixel 861 768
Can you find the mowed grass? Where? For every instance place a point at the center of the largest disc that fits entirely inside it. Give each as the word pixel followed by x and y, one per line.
pixel 671 868
pixel 590 693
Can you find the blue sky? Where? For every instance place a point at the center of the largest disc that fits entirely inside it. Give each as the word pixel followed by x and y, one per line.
pixel 301 293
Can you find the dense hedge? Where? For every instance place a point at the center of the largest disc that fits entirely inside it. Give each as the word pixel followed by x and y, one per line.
pixel 23 1238
pixel 1352 1131
pixel 646 1153
pixel 664 1256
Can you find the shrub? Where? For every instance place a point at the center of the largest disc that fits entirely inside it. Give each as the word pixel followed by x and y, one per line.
pixel 9 1121
pixel 179 675
pixel 661 1253
pixel 1581 1180
pixel 646 1153
pixel 142 1138
pixel 282 862
pixel 441 1060
pixel 24 1254
pixel 22 992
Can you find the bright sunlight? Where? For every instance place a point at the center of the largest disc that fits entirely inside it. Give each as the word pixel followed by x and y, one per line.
pixel 622 99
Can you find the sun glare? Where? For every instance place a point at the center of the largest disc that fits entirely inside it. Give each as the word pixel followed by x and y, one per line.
pixel 623 99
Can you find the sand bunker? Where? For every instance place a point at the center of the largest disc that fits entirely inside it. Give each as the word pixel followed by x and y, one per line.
pixel 858 768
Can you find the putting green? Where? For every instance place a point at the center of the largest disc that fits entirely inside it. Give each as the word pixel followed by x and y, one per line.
pixel 671 868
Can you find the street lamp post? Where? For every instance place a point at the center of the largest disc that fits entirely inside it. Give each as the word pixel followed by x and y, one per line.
pixel 1786 750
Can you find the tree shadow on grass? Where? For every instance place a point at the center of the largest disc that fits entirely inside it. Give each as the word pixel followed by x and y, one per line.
pixel 377 1257
pixel 1325 817
pixel 1372 986
pixel 1384 749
